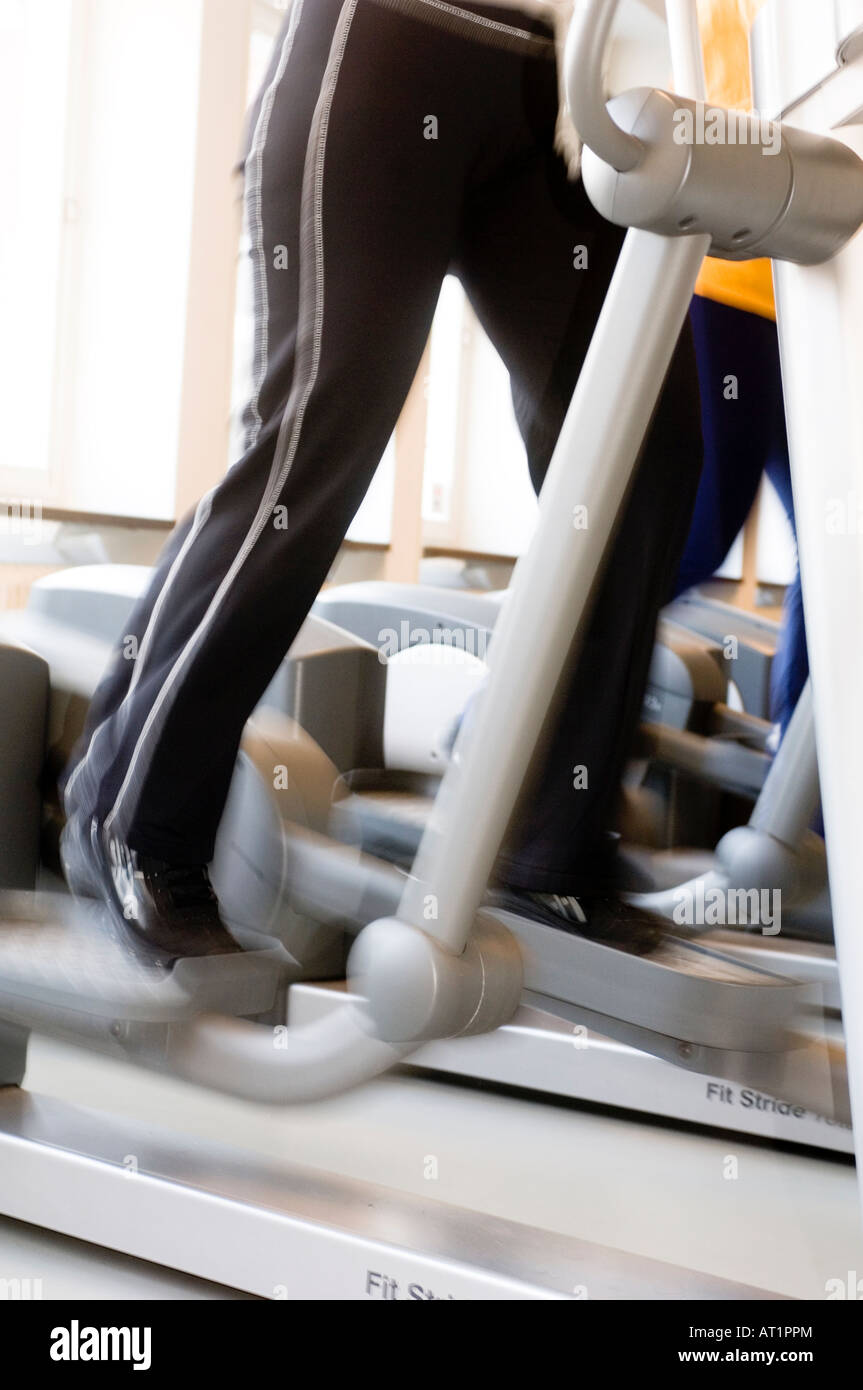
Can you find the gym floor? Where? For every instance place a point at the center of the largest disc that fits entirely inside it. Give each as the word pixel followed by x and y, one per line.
pixel 788 1222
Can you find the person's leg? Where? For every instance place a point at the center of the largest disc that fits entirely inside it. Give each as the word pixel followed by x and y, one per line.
pixel 737 424
pixel 527 281
pixel 276 310
pixel 743 416
pixel 367 208
pixel 77 787
pixel 790 669
pixel 78 784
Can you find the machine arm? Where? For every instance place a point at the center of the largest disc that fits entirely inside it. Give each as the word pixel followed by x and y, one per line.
pixel 670 164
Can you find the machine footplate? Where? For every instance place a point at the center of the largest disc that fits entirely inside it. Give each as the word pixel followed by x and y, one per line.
pixel 60 952
pixel 682 990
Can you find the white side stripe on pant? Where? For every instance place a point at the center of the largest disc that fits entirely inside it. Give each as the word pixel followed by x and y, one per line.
pixel 254 217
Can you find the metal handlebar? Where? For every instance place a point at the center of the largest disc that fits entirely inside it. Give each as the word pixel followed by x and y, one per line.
pixel 645 164
pixel 585 51
pixel 584 66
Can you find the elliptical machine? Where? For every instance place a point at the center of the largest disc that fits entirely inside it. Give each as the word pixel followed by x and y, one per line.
pixel 436 962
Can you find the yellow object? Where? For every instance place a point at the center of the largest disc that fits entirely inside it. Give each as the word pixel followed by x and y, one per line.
pixel 725 26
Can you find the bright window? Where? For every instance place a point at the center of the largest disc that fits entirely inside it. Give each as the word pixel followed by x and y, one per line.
pixel 34 76
pixel 477 494
pixel 103 156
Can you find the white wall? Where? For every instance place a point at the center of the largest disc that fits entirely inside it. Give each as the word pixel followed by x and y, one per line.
pixel 372 524
pixel 497 502
pixel 776 555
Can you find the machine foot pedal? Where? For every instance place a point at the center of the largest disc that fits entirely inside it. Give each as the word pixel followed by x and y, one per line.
pixel 60 952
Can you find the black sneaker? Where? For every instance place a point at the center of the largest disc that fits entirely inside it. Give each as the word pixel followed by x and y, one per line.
pixel 169 910
pixel 600 918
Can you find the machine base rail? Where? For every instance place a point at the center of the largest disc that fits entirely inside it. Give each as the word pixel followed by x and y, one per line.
pixel 283 1232
pixel 543 1052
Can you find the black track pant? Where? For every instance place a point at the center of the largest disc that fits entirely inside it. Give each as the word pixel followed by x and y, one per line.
pixel 370 214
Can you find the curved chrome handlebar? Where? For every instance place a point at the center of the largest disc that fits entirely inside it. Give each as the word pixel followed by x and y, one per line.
pixel 583 64
pixel 292 1066
pixel 583 70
